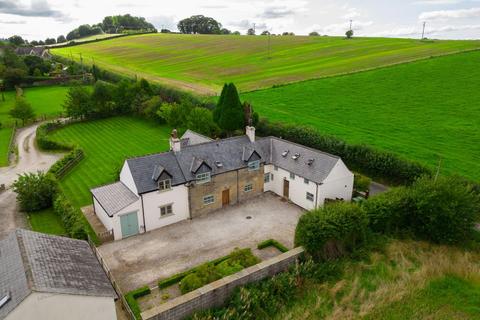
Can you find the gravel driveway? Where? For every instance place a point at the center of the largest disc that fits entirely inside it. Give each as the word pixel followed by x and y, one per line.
pixel 30 159
pixel 145 258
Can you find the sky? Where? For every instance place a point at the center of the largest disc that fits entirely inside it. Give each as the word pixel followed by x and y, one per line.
pixel 445 19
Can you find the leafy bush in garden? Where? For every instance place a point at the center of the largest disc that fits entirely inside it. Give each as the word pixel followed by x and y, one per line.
pixel 35 191
pixel 71 217
pixel 191 282
pixel 272 243
pixel 361 182
pixel 375 163
pixel 332 231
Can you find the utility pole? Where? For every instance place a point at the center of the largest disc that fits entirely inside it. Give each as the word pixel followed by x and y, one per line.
pixel 423 32
pixel 254 30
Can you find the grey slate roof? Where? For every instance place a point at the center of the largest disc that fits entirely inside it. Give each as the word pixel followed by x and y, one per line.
pixel 32 261
pixel 192 137
pixel 116 196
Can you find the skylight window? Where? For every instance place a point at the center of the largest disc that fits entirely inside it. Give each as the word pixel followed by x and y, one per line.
pixel 218 164
pixel 285 153
pixel 4 300
pixel 296 156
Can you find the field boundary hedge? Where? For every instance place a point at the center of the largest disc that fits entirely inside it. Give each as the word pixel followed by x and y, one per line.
pixel 72 43
pixel 67 163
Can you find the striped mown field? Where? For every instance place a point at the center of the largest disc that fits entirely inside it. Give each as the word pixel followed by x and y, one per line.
pixel 203 63
pixel 428 111
pixel 107 143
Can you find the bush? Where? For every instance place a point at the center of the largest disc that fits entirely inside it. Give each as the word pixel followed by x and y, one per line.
pixel 272 243
pixel 132 297
pixel 190 283
pixel 228 267
pixel 375 163
pixel 35 191
pixel 71 217
pixel 45 143
pixel 66 160
pixel 361 182
pixel 243 257
pixel 333 231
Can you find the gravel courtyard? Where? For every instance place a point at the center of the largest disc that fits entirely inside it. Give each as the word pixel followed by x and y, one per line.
pixel 146 258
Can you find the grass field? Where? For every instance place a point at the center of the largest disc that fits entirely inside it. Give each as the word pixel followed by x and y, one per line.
pixel 408 280
pixel 426 111
pixel 202 63
pixel 46 221
pixel 47 102
pixel 107 143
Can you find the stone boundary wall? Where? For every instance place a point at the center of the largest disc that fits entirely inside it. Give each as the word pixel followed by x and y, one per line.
pixel 216 293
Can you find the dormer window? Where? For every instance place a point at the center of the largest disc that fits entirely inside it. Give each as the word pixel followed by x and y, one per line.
pixel 285 153
pixel 218 164
pixel 254 165
pixel 296 156
pixel 203 177
pixel 164 185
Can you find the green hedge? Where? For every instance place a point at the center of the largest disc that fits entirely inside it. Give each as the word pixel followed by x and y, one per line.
pixel 272 243
pixel 375 163
pixel 59 166
pixel 131 298
pixel 71 217
pixel 45 143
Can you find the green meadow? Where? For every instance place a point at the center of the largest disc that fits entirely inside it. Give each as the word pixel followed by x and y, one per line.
pixel 427 111
pixel 107 143
pixel 203 63
pixel 47 102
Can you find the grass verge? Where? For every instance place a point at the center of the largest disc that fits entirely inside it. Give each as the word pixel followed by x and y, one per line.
pixel 46 221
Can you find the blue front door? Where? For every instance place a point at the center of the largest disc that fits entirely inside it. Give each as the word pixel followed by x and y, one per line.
pixel 129 223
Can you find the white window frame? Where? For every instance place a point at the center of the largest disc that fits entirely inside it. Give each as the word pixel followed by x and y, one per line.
pixel 248 188
pixel 164 185
pixel 310 196
pixel 203 177
pixel 292 176
pixel 254 165
pixel 306 181
pixel 168 210
pixel 208 200
pixel 266 178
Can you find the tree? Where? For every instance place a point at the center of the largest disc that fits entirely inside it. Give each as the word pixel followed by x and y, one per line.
pixel 174 114
pixel 78 104
pixel 265 33
pixel 34 43
pixel 199 24
pixel 36 63
pixel 61 39
pixel 35 191
pixel 229 110
pixel 236 33
pixel 50 41
pixel 349 34
pixel 288 34
pixel 201 120
pixel 16 40
pixel 251 32
pixel 225 31
pixel 314 34
pixel 22 110
pixel 103 99
pixel 13 76
pixel 165 31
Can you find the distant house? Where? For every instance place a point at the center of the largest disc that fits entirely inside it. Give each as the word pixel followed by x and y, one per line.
pixel 41 52
pixel 199 175
pixel 47 277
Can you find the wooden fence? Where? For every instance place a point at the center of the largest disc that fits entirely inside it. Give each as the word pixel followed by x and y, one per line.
pixel 109 274
pixel 69 165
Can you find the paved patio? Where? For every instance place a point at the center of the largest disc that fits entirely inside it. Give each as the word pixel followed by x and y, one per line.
pixel 146 258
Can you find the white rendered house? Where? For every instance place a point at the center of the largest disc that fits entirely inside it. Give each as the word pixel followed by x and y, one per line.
pixel 199 175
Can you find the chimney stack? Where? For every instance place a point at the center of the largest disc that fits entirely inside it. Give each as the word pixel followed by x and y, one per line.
pixel 175 143
pixel 250 132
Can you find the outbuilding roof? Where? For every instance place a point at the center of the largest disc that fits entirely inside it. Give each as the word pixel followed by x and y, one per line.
pixel 116 196
pixel 37 262
pixel 191 137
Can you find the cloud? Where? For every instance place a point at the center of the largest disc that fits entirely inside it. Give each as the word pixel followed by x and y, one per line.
pixel 351 14
pixel 341 28
pixel 159 22
pixel 38 8
pixel 13 22
pixel 282 9
pixel 247 24
pixel 437 2
pixel 417 31
pixel 450 14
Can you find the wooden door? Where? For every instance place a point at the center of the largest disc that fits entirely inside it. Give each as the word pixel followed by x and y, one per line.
pixel 129 224
pixel 286 188
pixel 225 197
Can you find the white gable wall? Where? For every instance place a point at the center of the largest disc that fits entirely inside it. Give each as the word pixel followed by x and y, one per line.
pixel 113 223
pixel 338 184
pixel 55 306
pixel 127 178
pixel 152 201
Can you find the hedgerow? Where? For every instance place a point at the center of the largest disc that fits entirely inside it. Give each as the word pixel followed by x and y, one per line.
pixel 131 298
pixel 45 143
pixel 272 243
pixel 59 166
pixel 71 217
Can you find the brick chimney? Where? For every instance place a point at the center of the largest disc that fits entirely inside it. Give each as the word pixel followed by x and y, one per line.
pixel 250 132
pixel 175 143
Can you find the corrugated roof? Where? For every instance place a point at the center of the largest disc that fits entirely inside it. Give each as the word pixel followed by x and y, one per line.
pixel 115 197
pixel 32 261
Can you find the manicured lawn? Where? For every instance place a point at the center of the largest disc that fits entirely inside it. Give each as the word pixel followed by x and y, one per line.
pixel 107 143
pixel 203 63
pixel 47 102
pixel 426 111
pixel 46 221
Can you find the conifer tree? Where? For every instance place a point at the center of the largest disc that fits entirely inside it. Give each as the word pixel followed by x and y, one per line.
pixel 229 110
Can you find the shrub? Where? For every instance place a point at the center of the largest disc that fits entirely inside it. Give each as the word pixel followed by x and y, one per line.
pixel 361 182
pixel 243 257
pixel 131 298
pixel 45 143
pixel 331 232
pixel 59 166
pixel 228 267
pixel 272 243
pixel 35 191
pixel 71 217
pixel 191 282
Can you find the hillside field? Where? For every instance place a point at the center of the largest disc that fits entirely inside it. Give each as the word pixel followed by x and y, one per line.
pixel 203 63
pixel 107 143
pixel 46 102
pixel 427 111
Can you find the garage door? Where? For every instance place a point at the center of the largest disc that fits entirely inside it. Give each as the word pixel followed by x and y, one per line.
pixel 129 223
